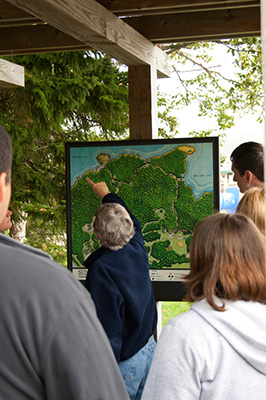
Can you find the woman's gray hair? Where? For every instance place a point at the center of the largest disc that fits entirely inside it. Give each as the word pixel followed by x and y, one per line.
pixel 113 226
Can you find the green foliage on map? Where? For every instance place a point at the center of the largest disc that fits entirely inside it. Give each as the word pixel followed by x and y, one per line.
pixel 154 190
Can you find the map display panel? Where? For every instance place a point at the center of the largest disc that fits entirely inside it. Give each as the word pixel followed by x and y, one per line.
pixel 169 185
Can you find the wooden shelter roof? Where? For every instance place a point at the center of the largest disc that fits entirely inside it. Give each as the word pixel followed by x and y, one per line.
pixel 130 31
pixel 125 29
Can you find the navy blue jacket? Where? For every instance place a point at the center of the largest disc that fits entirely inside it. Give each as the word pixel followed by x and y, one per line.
pixel 121 289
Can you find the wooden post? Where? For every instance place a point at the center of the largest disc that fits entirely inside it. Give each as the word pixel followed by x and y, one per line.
pixel 263 37
pixel 159 326
pixel 143 116
pixel 143 102
pixel 11 75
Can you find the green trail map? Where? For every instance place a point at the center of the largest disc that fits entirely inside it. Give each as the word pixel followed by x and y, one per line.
pixel 156 191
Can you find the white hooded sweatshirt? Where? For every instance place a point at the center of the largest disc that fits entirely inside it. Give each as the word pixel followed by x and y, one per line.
pixel 210 355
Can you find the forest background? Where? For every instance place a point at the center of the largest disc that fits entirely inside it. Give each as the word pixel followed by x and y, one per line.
pixel 83 96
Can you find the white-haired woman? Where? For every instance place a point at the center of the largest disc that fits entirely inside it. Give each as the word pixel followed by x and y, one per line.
pixel 119 282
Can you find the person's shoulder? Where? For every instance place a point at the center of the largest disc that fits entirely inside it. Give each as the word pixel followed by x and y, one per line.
pixel 110 266
pixel 188 329
pixel 16 254
pixel 23 264
pixel 12 244
pixel 104 262
pixel 183 321
pixel 189 322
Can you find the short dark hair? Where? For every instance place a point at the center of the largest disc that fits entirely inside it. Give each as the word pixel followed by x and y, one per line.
pixel 6 153
pixel 227 260
pixel 249 156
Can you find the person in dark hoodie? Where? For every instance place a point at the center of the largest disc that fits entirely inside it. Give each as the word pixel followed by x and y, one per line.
pixel 119 282
pixel 217 349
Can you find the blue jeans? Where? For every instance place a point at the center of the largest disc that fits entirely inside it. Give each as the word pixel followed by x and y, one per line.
pixel 136 368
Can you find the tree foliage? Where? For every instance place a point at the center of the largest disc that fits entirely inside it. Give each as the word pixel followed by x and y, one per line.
pixel 75 96
pixel 219 93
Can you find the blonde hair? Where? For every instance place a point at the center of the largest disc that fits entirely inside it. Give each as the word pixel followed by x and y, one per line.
pixel 113 225
pixel 252 205
pixel 227 260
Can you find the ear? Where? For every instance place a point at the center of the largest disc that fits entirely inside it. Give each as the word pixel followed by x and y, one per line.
pixel 248 176
pixel 2 186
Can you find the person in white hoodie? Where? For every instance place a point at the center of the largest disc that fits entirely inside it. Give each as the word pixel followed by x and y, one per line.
pixel 217 349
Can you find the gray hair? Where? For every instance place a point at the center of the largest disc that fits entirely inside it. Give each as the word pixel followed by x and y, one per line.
pixel 113 225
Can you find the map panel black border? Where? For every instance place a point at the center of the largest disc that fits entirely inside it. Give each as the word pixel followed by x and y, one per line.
pixel 165 290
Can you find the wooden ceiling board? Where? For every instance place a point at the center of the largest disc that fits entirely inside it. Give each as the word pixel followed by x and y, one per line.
pixel 36 39
pixel 124 29
pixel 136 7
pixel 210 25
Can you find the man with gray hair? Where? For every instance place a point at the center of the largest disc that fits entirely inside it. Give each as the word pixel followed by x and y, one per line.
pixel 119 282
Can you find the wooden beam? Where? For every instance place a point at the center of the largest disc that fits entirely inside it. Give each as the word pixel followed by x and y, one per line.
pixel 10 13
pixel 90 23
pixel 11 75
pixel 208 25
pixel 146 7
pixel 143 112
pixel 36 39
pixel 263 38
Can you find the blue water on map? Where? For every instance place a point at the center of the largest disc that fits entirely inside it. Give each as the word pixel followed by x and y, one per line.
pixel 199 174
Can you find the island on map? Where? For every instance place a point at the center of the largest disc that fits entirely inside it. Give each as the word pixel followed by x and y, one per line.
pixel 155 191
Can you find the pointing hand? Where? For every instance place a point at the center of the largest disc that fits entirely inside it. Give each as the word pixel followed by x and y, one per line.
pixel 99 188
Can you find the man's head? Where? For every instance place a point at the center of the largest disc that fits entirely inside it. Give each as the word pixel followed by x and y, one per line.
pixel 5 171
pixel 248 165
pixel 113 226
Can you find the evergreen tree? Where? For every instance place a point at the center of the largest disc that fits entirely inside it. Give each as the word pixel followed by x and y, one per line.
pixel 75 96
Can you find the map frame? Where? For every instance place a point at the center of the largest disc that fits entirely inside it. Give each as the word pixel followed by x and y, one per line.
pixel 171 286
